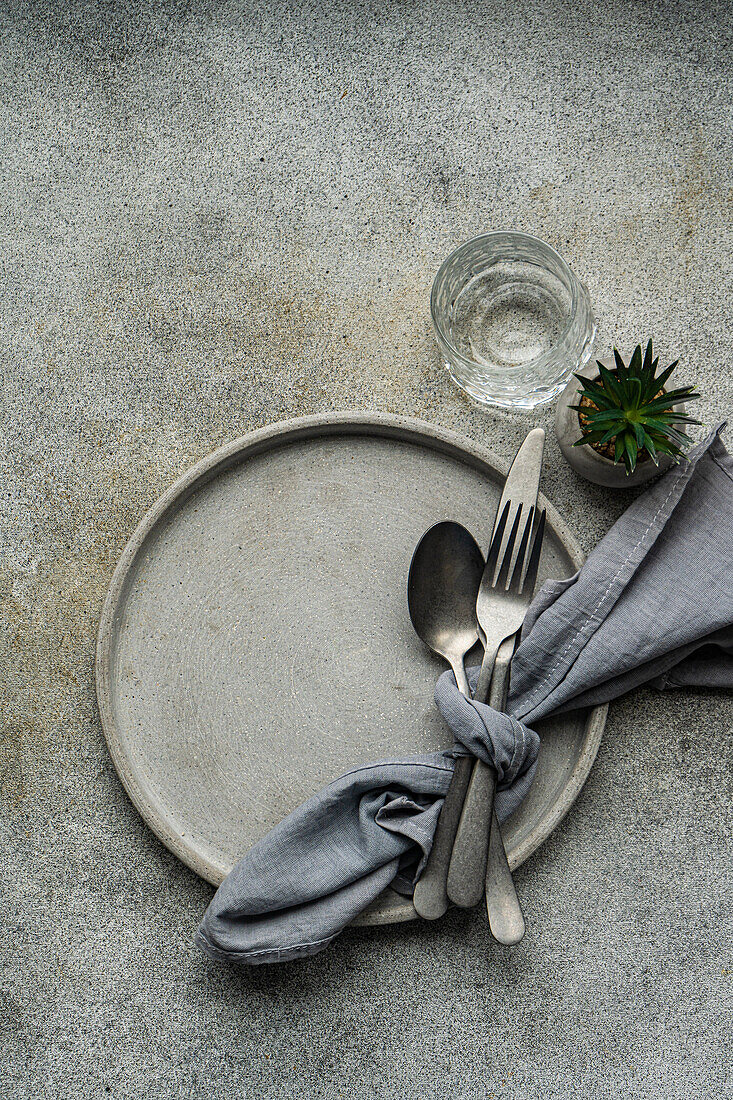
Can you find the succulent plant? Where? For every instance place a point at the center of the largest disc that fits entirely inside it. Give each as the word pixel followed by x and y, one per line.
pixel 630 415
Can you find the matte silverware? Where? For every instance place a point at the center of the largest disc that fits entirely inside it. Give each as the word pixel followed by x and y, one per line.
pixel 521 486
pixel 442 587
pixel 500 609
pixel 503 606
pixel 445 574
pixel 506 920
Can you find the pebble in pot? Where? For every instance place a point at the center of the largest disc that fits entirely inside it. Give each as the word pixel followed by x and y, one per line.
pixel 618 424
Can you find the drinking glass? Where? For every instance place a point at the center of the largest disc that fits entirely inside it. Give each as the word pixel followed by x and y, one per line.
pixel 512 320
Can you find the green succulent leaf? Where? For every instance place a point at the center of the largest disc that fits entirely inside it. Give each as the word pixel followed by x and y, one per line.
pixel 613 386
pixel 669 400
pixel 635 392
pixel 674 418
pixel 635 366
pixel 592 390
pixel 631 451
pixel 665 375
pixel 620 365
pixel 648 361
pixel 607 416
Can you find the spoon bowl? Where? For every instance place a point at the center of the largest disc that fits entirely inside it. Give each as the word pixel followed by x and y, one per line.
pixel 445 575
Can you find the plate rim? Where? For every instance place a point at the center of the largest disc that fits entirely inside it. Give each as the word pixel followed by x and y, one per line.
pixel 393 907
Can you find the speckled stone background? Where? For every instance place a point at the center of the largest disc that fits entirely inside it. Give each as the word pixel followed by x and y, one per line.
pixel 214 216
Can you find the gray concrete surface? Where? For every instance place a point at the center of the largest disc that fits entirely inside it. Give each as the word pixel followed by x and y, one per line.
pixel 217 216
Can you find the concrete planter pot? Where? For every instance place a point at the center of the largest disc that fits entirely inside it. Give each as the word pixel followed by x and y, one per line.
pixel 585 460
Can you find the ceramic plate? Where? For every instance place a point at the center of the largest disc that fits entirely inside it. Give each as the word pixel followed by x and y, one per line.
pixel 255 641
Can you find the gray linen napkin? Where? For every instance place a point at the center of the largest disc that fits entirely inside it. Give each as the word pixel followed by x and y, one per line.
pixel 652 604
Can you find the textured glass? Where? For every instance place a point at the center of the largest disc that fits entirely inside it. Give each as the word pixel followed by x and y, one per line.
pixel 511 319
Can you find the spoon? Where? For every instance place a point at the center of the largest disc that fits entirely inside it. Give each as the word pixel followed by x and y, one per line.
pixel 444 580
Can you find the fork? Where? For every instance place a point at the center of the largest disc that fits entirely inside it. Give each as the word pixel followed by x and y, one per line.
pixel 504 596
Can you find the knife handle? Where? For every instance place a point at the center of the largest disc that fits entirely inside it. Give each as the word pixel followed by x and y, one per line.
pixel 506 920
pixel 467 872
pixel 431 897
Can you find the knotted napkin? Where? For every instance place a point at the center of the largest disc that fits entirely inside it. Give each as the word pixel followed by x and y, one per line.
pixel 653 604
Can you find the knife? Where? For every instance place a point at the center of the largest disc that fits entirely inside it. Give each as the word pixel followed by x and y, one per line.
pixel 468 875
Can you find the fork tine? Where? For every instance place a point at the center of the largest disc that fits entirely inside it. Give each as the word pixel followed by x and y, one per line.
pixel 530 577
pixel 515 584
pixel 501 580
pixel 493 553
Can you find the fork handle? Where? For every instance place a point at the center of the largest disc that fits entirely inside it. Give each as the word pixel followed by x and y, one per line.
pixel 467 871
pixel 481 694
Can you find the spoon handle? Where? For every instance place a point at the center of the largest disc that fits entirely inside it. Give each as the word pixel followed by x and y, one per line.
pixel 459 672
pixel 467 873
pixel 431 897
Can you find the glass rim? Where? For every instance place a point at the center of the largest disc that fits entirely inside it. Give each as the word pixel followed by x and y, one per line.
pixel 530 365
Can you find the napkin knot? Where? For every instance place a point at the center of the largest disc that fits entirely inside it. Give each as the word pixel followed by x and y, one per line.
pixel 498 739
